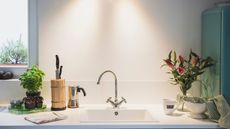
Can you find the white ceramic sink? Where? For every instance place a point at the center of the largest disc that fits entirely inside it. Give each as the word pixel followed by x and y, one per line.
pixel 120 115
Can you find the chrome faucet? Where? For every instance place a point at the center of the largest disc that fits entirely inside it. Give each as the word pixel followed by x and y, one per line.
pixel 114 103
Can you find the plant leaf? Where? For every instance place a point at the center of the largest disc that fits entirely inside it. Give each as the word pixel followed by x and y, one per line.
pixel 169 56
pixel 163 65
pixel 174 56
pixel 194 54
pixel 206 66
pixel 190 56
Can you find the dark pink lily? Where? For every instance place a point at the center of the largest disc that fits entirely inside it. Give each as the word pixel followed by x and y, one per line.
pixel 169 63
pixel 180 70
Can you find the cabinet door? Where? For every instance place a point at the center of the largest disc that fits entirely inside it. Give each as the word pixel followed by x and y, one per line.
pixel 211 46
pixel 225 54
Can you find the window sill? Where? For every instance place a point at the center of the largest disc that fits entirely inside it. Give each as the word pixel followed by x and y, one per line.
pixel 10 80
pixel 14 66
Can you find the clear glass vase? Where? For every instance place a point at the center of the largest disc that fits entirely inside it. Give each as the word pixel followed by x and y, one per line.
pixel 180 100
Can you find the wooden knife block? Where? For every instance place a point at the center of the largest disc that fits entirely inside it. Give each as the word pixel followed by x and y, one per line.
pixel 58 94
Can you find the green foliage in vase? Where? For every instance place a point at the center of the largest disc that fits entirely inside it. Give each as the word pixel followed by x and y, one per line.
pixel 32 79
pixel 14 52
pixel 209 88
pixel 194 99
pixel 185 71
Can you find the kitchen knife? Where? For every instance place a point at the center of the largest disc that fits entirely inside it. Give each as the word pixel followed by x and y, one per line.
pixel 57 62
pixel 57 67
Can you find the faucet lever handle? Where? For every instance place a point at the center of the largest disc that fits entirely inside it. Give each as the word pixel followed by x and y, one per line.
pixel 109 99
pixel 124 99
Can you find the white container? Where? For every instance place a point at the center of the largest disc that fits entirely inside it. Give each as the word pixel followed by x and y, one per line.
pixel 169 106
pixel 197 110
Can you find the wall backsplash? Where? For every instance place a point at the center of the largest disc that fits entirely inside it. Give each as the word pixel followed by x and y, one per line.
pixel 129 37
pixel 136 92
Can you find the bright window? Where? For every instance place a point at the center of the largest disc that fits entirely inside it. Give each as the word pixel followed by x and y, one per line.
pixel 18 35
pixel 14 33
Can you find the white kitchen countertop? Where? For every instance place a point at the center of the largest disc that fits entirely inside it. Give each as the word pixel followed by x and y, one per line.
pixel 179 120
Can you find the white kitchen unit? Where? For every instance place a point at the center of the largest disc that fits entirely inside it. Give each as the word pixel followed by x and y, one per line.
pixel 76 119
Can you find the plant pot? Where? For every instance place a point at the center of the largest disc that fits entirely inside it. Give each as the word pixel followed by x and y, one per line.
pixel 39 101
pixel 29 103
pixel 33 100
pixel 33 94
pixel 39 104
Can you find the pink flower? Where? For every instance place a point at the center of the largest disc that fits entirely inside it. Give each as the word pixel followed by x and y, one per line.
pixel 195 60
pixel 181 59
pixel 180 70
pixel 169 63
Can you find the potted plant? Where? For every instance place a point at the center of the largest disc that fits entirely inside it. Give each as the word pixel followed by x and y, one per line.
pixel 31 80
pixel 186 71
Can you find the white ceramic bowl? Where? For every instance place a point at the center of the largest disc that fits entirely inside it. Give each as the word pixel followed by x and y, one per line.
pixel 196 108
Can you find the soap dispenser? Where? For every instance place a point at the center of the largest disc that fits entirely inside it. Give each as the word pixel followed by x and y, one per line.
pixel 73 96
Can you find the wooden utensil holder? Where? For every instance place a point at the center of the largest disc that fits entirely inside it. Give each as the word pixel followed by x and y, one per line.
pixel 58 94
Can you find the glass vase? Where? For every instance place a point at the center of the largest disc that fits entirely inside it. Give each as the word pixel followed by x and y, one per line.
pixel 180 98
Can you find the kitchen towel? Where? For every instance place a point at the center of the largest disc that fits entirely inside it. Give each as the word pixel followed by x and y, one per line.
pixel 45 117
pixel 224 111
pixel 212 111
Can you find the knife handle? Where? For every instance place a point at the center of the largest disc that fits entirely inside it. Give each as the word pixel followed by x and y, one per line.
pixel 57 74
pixel 57 62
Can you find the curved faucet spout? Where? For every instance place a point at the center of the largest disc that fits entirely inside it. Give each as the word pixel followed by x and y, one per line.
pixel 115 78
pixel 115 103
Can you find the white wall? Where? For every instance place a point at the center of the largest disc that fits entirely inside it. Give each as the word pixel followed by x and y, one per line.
pixel 130 37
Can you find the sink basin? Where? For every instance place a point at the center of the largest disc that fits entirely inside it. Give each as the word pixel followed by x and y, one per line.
pixel 119 115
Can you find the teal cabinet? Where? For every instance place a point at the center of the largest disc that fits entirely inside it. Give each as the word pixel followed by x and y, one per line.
pixel 216 43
